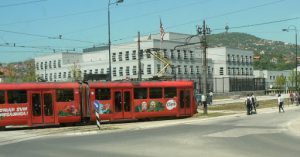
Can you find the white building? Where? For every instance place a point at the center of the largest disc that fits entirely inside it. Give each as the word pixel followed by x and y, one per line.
pixel 270 77
pixel 186 62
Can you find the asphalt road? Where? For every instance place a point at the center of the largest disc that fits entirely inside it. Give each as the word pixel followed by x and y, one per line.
pixel 260 135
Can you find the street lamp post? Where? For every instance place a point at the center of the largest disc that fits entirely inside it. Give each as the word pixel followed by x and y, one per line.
pixel 294 28
pixel 109 42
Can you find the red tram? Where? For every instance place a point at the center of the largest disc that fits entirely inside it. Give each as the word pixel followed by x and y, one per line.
pixel 36 104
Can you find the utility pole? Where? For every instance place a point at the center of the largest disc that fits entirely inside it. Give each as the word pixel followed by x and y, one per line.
pixel 203 31
pixel 139 58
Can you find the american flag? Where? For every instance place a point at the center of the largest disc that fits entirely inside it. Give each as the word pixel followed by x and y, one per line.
pixel 162 31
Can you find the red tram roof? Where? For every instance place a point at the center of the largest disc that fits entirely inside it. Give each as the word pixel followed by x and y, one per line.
pixel 38 85
pixel 181 83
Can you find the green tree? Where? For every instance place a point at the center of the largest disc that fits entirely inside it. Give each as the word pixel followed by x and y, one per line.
pixel 29 75
pixel 75 71
pixel 280 81
pixel 11 73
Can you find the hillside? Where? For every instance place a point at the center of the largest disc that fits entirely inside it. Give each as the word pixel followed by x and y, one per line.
pixel 274 55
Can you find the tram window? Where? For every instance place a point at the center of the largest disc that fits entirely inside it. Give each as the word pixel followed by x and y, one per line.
pixel 102 94
pixel 170 92
pixel 2 97
pixel 140 93
pixel 17 96
pixel 64 95
pixel 155 93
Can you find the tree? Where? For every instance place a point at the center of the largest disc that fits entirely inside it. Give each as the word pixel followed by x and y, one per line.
pixel 29 75
pixel 75 71
pixel 11 73
pixel 280 81
pixel 292 78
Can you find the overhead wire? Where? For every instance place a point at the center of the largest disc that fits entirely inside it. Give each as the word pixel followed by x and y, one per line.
pixel 21 3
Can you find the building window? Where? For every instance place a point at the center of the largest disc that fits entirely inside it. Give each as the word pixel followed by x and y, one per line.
pixel 50 65
pixel 102 71
pixel 250 59
pixel 158 68
pixel 42 65
pixel 172 54
pixel 69 74
pixel 127 55
pixel 149 69
pixel 238 71
pixel 54 64
pixel 59 63
pixel 114 71
pixel 120 71
pixel 228 58
pixel 50 76
pixel 120 56
pixel 114 57
pixel 208 70
pixel 55 77
pixel 228 71
pixel 192 70
pixel 185 54
pixel 37 66
pixel 91 71
pixel 179 69
pixel 65 75
pixel 134 70
pixel 165 53
pixel 127 70
pixel 96 71
pixel 107 71
pixel 242 59
pixel 221 71
pixel 141 54
pixel 191 55
pixel 247 59
pixel 46 65
pixel 243 71
pixel 185 69
pixel 133 55
pixel 148 55
pixel 178 54
pixel 46 77
pixel 197 70
pixel 59 75
pixel 84 72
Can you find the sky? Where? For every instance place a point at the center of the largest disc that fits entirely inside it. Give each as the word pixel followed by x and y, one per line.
pixel 30 28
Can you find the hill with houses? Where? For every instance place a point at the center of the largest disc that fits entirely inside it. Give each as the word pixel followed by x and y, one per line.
pixel 269 55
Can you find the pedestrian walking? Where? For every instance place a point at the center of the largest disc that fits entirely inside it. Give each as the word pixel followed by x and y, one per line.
pixel 248 104
pixel 211 94
pixel 253 101
pixel 292 97
pixel 280 103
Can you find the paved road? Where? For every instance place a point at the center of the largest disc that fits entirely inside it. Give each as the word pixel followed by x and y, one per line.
pixel 258 135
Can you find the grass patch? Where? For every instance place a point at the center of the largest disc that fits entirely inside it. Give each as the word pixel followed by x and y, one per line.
pixel 211 114
pixel 240 106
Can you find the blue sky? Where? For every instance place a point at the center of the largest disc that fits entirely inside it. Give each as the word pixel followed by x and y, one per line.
pixel 34 26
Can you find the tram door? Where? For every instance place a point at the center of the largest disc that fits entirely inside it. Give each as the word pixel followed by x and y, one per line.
pixel 184 102
pixel 122 104
pixel 42 108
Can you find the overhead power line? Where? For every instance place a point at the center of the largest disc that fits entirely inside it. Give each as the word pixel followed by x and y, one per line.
pixel 260 24
pixel 22 3
pixel 60 37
